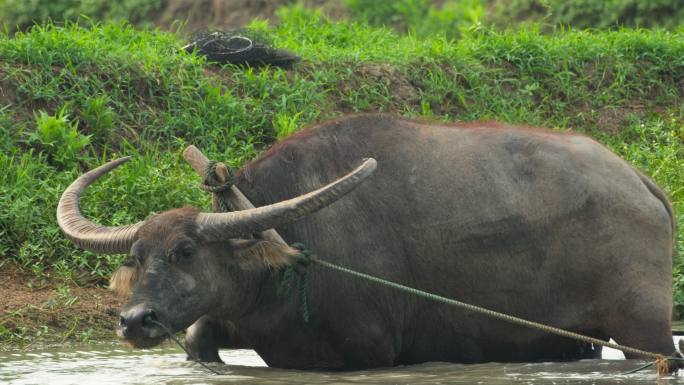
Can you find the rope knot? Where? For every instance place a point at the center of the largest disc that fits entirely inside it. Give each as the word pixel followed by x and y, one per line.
pixel 304 259
pixel 305 255
pixel 671 364
pixel 211 182
pixel 662 366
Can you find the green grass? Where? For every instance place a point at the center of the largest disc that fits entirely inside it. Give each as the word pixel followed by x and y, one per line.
pixel 451 18
pixel 22 14
pixel 578 14
pixel 72 97
pixel 425 18
pixel 420 17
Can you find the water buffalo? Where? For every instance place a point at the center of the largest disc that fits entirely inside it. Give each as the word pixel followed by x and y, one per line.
pixel 544 225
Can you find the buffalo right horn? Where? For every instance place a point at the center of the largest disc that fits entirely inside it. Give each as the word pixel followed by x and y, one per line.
pixel 235 223
pixel 84 233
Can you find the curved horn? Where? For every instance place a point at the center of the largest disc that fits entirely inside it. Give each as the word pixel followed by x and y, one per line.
pixel 234 223
pixel 84 233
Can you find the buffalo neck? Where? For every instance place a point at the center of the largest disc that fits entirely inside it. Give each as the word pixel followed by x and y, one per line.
pixel 253 291
pixel 265 304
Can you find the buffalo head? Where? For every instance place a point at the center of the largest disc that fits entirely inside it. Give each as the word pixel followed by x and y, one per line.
pixel 184 263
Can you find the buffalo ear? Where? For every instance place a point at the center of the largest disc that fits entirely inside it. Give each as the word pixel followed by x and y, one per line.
pixel 124 279
pixel 256 254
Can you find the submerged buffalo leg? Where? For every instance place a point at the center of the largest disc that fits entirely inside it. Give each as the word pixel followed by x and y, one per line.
pixel 206 336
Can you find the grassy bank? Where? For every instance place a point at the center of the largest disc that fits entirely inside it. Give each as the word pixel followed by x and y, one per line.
pixel 72 97
pixel 452 17
pixel 420 17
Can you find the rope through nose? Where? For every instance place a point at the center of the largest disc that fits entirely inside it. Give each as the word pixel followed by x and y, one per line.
pixel 148 319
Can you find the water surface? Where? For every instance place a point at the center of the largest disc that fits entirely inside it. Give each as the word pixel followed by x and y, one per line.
pixel 113 364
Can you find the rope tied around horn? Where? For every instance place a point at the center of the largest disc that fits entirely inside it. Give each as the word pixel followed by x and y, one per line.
pixel 211 182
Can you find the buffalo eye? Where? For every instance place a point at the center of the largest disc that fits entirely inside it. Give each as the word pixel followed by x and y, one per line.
pixel 133 260
pixel 183 254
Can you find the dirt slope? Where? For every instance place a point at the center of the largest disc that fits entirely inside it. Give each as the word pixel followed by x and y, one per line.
pixel 53 313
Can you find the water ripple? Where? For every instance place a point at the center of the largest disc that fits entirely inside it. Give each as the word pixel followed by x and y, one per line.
pixel 166 365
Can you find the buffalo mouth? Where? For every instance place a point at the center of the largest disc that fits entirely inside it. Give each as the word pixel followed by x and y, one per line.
pixel 139 327
pixel 142 343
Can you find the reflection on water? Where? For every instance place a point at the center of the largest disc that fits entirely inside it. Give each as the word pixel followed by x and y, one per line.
pixel 111 364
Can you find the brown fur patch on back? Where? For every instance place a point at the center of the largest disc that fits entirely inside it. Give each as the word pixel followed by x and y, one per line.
pixel 124 280
pixel 265 254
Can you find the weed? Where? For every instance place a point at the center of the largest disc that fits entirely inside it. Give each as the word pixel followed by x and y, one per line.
pixel 59 138
pixel 588 13
pixel 98 118
pixel 19 14
pixel 8 131
pixel 284 125
pixel 86 336
pixel 420 17
pixel 15 313
pixel 64 294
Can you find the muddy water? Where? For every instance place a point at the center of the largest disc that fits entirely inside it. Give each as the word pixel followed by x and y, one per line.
pixel 111 364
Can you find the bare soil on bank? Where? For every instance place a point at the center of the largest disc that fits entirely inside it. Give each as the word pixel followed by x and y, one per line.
pixel 34 310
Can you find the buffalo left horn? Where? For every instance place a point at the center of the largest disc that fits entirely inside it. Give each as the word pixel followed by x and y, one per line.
pixel 84 233
pixel 235 223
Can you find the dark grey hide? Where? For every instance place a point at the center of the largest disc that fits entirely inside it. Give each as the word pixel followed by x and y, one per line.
pixel 547 226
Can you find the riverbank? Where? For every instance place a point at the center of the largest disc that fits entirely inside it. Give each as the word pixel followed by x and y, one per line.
pixel 35 311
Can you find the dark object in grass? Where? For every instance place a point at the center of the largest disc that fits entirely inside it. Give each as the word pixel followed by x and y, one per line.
pixel 236 48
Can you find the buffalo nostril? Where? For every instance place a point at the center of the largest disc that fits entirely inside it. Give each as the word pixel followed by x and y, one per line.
pixel 149 319
pixel 137 322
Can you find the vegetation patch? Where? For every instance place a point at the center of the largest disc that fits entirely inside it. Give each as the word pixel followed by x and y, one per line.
pixel 580 14
pixel 424 18
pixel 453 18
pixel 21 14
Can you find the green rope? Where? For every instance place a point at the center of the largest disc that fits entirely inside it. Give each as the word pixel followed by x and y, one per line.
pixel 309 257
pixel 303 260
pixel 286 281
pixel 303 299
pixel 640 368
